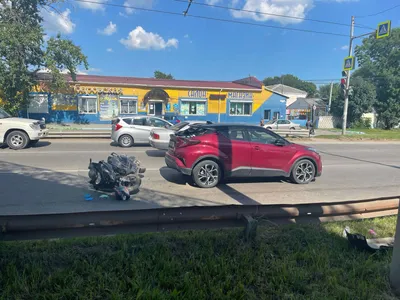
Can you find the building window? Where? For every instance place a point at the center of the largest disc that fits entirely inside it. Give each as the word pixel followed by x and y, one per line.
pixel 240 109
pixel 128 106
pixel 267 114
pixel 64 100
pixel 195 108
pixel 87 105
pixel 38 103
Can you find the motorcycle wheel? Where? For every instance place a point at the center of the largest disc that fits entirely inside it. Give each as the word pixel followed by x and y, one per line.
pixel 134 189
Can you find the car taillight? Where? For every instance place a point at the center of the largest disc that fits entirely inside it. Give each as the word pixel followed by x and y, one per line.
pixel 156 136
pixel 182 142
pixel 118 127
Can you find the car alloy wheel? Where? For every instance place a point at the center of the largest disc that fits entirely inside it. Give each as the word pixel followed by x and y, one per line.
pixel 304 171
pixel 17 140
pixel 207 174
pixel 126 141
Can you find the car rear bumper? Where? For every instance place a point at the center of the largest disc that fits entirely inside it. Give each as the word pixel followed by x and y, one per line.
pixel 175 163
pixel 162 145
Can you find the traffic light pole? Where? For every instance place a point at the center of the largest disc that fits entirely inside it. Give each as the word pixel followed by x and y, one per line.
pixel 346 95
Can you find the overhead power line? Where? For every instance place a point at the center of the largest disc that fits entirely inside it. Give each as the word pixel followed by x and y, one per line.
pixel 271 14
pixel 212 18
pixel 378 13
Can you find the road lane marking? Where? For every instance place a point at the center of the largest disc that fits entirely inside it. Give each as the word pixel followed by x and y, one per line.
pixel 70 151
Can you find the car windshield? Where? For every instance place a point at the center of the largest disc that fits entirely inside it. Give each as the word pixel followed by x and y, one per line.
pixel 271 122
pixel 179 126
pixel 4 114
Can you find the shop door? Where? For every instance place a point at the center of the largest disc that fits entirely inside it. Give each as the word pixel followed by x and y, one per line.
pixel 158 108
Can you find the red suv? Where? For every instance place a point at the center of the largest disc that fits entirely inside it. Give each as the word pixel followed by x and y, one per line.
pixel 209 153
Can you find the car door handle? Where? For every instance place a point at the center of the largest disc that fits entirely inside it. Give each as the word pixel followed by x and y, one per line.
pixel 256 148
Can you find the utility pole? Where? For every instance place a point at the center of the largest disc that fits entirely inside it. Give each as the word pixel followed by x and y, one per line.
pixel 346 96
pixel 395 265
pixel 330 98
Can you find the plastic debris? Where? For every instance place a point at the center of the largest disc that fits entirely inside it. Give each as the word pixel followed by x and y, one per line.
pixel 346 231
pixel 104 196
pixel 88 197
pixel 372 232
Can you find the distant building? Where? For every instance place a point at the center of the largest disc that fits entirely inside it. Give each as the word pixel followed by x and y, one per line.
pixel 99 99
pixel 288 91
pixel 302 109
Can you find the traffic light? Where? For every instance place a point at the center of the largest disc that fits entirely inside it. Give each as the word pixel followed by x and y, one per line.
pixel 343 82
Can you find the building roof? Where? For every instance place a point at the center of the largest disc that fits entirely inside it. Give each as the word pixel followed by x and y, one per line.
pixel 245 84
pixel 285 89
pixel 307 103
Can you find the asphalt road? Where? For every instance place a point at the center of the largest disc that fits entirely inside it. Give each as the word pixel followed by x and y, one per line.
pixel 52 177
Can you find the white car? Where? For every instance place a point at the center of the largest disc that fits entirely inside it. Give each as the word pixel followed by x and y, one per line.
pixel 127 131
pixel 159 138
pixel 281 124
pixel 19 133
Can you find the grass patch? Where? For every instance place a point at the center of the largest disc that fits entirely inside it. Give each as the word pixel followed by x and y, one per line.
pixel 287 262
pixel 370 134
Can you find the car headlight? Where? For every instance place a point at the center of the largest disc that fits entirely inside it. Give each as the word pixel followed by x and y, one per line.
pixel 35 126
pixel 313 150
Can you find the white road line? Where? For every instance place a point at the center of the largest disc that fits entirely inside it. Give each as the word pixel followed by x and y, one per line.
pixel 57 170
pixel 70 151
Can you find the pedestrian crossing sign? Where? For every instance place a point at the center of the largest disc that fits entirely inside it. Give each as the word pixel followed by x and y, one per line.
pixel 383 29
pixel 348 63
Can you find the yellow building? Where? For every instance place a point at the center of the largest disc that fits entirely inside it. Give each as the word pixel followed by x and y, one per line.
pixel 99 99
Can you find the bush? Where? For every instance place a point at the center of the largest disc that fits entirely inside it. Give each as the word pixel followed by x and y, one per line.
pixel 362 123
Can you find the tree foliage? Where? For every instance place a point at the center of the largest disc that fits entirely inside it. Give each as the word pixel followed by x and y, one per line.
pixel 24 52
pixel 160 75
pixel 361 100
pixel 294 82
pixel 379 62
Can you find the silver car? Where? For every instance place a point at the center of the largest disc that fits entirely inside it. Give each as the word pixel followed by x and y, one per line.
pixel 127 131
pixel 159 137
pixel 281 124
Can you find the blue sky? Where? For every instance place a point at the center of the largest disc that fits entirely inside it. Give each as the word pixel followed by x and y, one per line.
pixel 136 43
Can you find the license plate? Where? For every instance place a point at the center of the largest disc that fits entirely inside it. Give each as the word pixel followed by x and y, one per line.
pixel 171 144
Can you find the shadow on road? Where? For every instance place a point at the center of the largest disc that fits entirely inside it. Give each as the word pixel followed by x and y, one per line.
pixel 29 190
pixel 114 144
pixel 41 144
pixel 155 153
pixel 174 176
pixel 362 160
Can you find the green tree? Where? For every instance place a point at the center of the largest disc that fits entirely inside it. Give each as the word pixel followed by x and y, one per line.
pixel 24 52
pixel 294 82
pixel 161 75
pixel 361 100
pixel 325 89
pixel 379 62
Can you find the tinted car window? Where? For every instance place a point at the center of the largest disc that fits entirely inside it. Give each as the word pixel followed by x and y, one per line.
pixel 261 136
pixel 157 122
pixel 139 121
pixel 235 134
pixel 127 120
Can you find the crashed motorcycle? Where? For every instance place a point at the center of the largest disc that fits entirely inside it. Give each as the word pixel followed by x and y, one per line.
pixel 119 174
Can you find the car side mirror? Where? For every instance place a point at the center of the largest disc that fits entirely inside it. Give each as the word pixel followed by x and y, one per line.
pixel 280 143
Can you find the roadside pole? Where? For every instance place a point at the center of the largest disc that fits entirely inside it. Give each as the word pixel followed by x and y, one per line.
pixel 330 98
pixel 346 96
pixel 395 264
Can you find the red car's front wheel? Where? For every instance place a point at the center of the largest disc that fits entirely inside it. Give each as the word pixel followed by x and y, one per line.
pixel 303 172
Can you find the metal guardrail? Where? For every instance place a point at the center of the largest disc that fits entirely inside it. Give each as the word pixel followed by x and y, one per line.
pixel 288 132
pixel 20 227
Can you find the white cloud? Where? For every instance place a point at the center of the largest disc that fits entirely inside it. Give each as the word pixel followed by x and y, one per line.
pixel 293 8
pixel 109 50
pixel 345 47
pixel 57 22
pixel 140 39
pixel 94 71
pixel 93 6
pixel 64 71
pixel 137 3
pixel 110 29
pixel 122 14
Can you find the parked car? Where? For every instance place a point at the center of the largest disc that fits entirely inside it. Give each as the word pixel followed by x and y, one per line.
pixel 19 133
pixel 172 119
pixel 281 124
pixel 209 153
pixel 135 129
pixel 159 137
